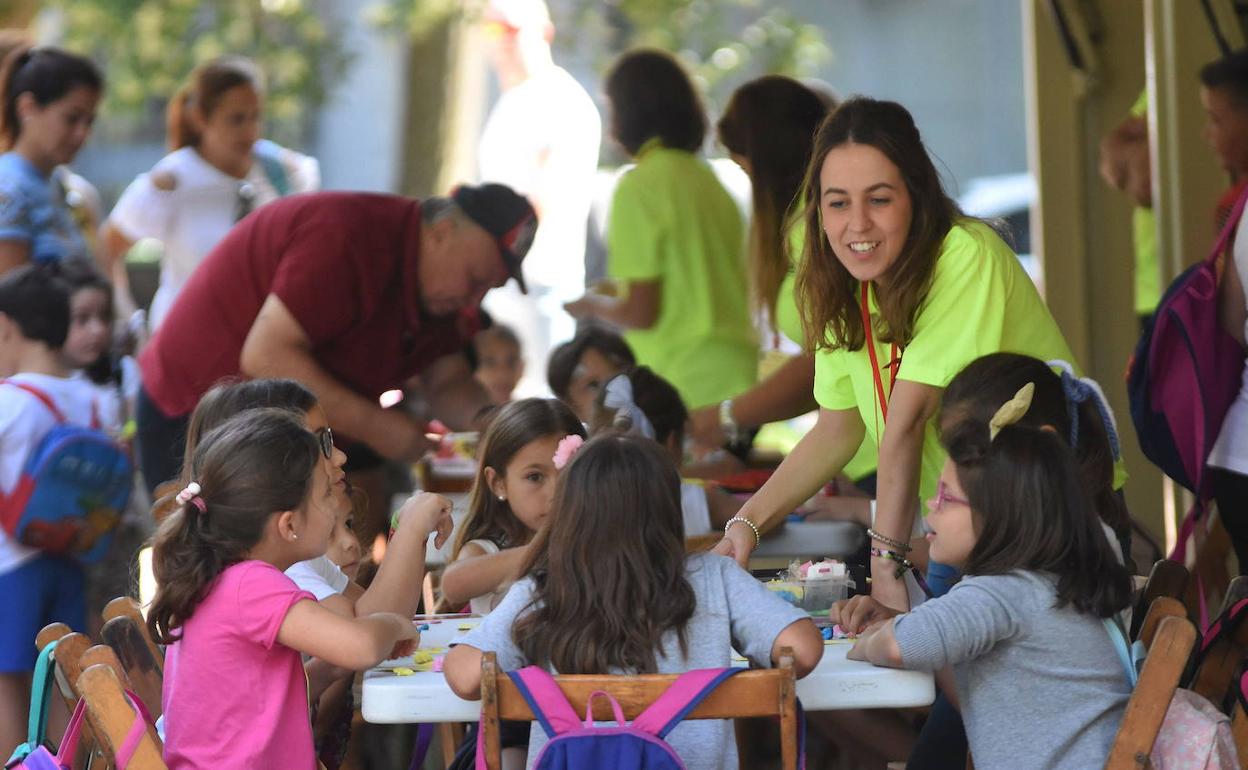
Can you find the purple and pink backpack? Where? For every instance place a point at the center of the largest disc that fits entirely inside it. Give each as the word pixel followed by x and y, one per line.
pixel 1184 376
pixel 576 743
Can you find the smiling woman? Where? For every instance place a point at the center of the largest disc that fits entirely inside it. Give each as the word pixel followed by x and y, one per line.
pixel 48 99
pixel 898 292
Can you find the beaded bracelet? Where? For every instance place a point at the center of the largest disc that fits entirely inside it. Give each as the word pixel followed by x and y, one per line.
pixel 757 537
pixel 899 545
pixel 902 562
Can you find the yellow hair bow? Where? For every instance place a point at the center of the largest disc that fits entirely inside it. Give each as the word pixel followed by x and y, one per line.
pixel 1011 411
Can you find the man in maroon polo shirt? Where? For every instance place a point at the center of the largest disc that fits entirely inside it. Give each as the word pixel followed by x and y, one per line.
pixel 352 294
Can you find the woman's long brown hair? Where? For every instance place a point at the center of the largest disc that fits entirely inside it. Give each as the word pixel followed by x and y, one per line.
pixel 203 91
pixel 828 295
pixel 609 569
pixel 254 465
pixel 517 424
pixel 771 122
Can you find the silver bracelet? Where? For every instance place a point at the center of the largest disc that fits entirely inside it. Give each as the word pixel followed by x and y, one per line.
pixel 899 545
pixel 757 538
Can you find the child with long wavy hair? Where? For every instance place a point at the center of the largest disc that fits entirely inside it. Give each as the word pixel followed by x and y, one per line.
pixel 608 589
pixel 511 500
pixel 261 500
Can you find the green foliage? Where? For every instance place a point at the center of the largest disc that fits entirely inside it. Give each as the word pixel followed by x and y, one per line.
pixel 147 48
pixel 723 42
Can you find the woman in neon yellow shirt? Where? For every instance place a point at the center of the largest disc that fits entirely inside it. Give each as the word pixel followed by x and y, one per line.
pixel 884 241
pixel 674 240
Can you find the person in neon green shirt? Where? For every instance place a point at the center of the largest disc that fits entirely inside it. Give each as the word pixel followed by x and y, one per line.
pixel 768 128
pixel 940 291
pixel 675 240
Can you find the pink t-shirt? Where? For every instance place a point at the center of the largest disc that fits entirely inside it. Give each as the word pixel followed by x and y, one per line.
pixel 233 696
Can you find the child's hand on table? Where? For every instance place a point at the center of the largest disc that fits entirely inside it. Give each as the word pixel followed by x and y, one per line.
pixel 408 635
pixel 856 615
pixel 429 512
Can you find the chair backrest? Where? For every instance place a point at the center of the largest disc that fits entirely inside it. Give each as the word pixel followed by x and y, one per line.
pixel 67 665
pixel 1167 578
pixel 144 674
pixel 125 606
pixel 1160 609
pixel 770 692
pixel 700 543
pixel 1225 648
pixel 113 715
pixel 1146 710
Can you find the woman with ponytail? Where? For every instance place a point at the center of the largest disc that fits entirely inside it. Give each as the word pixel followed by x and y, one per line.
pixel 261 500
pixel 48 101
pixel 218 171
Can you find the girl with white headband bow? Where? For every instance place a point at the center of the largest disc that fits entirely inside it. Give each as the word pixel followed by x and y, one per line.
pixel 643 403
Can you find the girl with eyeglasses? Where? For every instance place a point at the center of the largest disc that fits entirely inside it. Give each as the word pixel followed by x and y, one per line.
pixel 1038 602
pixel 218 171
pixel 48 101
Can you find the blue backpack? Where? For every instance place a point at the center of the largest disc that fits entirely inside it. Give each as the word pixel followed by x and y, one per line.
pixel 577 744
pixel 72 491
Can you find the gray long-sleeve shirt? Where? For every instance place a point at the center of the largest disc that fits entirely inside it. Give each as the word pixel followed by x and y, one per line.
pixel 1040 687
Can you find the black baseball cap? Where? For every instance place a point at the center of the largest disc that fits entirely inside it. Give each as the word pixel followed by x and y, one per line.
pixel 504 214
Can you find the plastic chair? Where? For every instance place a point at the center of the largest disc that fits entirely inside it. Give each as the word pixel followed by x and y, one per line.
pixel 762 693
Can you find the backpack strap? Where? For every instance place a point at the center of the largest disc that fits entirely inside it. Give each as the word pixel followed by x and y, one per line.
pixel 1117 634
pixel 68 749
pixel 1226 623
pixel 44 398
pixel 1228 229
pixel 269 155
pixel 546 700
pixel 682 697
pixel 138 728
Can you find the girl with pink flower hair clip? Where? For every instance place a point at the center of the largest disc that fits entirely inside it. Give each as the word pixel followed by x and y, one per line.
pixel 520 458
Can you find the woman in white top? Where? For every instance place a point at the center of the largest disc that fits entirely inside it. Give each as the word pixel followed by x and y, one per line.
pixel 219 171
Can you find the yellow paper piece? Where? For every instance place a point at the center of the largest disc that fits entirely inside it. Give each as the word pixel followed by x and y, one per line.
pixel 402 671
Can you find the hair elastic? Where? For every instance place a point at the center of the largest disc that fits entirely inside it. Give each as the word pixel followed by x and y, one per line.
pixel 1079 390
pixel 190 494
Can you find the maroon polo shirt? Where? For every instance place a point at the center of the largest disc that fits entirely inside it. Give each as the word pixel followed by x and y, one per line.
pixel 344 264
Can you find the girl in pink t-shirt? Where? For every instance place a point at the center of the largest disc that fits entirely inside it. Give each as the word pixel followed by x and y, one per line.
pixel 235 694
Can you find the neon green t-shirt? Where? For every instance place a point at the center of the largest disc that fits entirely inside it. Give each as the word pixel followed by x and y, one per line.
pixel 789 322
pixel 1144 236
pixel 672 221
pixel 981 301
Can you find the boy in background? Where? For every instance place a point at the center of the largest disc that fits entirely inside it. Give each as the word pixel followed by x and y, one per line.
pixel 36 588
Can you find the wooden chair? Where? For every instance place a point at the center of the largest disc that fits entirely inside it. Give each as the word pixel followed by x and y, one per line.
pixel 67 664
pixel 1168 654
pixel 1167 578
pixel 700 543
pixel 770 692
pixel 112 715
pixel 1221 662
pixel 125 606
pixel 145 676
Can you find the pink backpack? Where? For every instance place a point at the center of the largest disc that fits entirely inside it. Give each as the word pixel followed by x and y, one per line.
pixel 577 743
pixel 1194 735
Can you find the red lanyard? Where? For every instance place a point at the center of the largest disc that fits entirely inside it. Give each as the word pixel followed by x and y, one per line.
pixel 894 362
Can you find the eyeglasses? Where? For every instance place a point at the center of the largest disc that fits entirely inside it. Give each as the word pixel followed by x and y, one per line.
pixel 326 438
pixel 943 496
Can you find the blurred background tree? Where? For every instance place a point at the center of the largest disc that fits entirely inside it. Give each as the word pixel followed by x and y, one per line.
pixel 147 48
